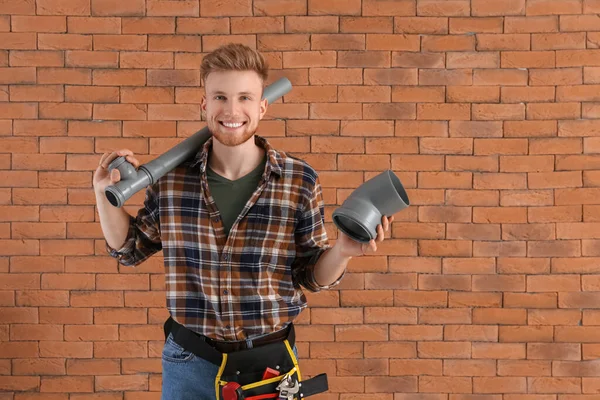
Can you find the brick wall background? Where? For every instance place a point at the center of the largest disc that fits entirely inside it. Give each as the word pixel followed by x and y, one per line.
pixel 486 109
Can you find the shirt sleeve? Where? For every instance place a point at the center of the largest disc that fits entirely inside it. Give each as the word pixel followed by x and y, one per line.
pixel 143 236
pixel 311 241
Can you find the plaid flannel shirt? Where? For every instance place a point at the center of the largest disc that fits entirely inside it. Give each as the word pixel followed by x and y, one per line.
pixel 246 284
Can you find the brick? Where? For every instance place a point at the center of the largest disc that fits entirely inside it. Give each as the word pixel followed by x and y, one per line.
pixel 56 41
pixel 554 317
pixel 92 59
pixel 450 8
pixel 173 8
pixel 437 76
pixel 578 58
pixel 530 59
pixel 531 24
pixel 558 41
pixel 460 25
pixel 75 384
pixel 157 25
pixel 469 368
pixel 22 383
pixel 438 111
pixel 547 7
pixel 63 7
pixel 392 42
pixel 414 94
pixel 505 77
pixel 338 41
pixel 366 333
pixel 495 112
pixel 42 93
pixel 529 163
pixel 31 366
pixel 102 25
pixel 473 94
pixel 121 42
pixel 566 110
pixel 570 23
pixel 447 43
pixel 74 76
pixel 420 60
pixel 512 7
pixel 533 128
pixel 422 25
pixel 18 7
pixel 381 76
pixel 115 8
pixel 19 110
pixel 38 23
pixel 563 248
pixel 528 94
pixel 507 41
pixel 65 111
pixel 160 77
pixel 17 75
pixel 311 24
pixel 500 351
pixel 28 58
pixel 471 59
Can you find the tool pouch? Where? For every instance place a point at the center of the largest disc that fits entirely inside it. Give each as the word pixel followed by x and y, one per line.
pixel 246 367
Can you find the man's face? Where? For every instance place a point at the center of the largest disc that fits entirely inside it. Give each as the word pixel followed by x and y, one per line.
pixel 233 105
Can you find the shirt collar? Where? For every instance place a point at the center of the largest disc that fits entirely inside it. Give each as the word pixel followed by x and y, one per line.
pixel 274 159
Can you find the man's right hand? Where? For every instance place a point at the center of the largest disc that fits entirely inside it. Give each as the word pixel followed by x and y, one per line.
pixel 104 178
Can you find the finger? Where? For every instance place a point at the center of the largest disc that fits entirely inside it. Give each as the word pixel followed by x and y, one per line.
pixel 386 224
pixel 125 152
pixel 134 161
pixel 115 154
pixel 380 234
pixel 102 159
pixel 373 246
pixel 115 176
pixel 111 156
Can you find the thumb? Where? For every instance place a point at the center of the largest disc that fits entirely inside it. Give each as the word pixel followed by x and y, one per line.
pixel 115 175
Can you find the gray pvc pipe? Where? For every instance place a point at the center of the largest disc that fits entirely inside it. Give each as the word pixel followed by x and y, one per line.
pixel 133 181
pixel 361 212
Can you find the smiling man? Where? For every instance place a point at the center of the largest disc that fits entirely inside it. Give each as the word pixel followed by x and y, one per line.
pixel 241 227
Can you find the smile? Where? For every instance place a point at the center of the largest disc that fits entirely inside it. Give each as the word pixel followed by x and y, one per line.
pixel 232 125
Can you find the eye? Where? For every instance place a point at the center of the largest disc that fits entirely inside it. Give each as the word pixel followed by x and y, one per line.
pixel 218 97
pixel 245 98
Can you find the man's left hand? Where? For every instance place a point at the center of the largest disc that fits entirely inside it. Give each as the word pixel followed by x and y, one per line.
pixel 348 247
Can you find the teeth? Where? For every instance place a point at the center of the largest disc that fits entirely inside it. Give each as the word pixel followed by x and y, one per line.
pixel 232 125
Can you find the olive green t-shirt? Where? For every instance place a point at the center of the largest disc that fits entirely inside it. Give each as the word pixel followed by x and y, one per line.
pixel 232 196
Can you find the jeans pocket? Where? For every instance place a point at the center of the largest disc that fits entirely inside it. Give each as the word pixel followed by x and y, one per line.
pixel 173 352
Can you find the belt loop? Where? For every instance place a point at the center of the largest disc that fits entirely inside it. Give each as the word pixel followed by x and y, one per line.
pixel 249 343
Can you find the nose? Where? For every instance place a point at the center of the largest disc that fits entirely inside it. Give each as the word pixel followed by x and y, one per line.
pixel 231 107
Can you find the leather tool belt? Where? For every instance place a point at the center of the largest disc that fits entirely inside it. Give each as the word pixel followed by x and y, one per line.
pixel 267 370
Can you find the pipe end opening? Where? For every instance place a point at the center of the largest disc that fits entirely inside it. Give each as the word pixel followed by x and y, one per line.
pixel 399 187
pixel 352 228
pixel 112 198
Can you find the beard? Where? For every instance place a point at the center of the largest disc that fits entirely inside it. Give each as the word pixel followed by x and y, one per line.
pixel 231 139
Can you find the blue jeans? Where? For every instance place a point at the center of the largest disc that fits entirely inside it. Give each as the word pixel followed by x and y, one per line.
pixel 186 376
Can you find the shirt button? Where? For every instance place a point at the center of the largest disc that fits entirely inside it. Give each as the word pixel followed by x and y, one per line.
pixel 226 257
pixel 225 291
pixel 228 326
pixel 216 219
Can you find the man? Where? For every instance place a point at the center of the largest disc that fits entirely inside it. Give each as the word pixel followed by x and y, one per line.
pixel 240 225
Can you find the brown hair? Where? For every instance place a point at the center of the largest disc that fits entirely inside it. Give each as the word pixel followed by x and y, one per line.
pixel 234 57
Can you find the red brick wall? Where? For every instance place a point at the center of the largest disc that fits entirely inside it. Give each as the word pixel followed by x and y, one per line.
pixel 486 109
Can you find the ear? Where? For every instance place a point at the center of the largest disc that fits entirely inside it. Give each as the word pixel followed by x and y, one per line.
pixel 264 104
pixel 203 104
